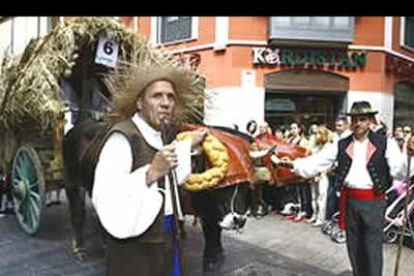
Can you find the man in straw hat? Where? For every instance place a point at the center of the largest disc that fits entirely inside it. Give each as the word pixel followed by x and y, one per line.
pixel 366 163
pixel 134 192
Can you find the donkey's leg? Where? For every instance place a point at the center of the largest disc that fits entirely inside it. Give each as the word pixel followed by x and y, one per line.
pixel 76 197
pixel 213 256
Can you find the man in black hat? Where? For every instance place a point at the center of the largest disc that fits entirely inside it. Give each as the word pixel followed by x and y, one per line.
pixel 367 161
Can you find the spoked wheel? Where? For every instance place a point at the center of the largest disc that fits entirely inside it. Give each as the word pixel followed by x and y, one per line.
pixel 28 188
pixel 391 235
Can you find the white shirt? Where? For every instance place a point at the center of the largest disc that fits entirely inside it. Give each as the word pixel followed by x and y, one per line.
pixel 125 204
pixel 358 176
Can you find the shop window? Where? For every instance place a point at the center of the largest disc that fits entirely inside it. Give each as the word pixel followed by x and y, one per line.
pixel 404 104
pixel 409 31
pixel 313 28
pixel 176 28
pixel 284 108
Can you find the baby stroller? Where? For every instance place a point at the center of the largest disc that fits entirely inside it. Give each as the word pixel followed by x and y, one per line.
pixel 331 228
pixel 394 214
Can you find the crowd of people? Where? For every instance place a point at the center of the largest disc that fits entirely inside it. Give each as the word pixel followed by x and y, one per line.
pixel 347 171
pixel 313 201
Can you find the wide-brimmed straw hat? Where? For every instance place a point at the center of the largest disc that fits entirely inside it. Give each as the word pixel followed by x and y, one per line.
pixel 133 79
pixel 361 108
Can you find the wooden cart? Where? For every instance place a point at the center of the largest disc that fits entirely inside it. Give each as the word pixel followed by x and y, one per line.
pixel 55 74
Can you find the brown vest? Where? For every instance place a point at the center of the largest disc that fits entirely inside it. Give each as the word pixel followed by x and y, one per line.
pixel 142 154
pixel 149 254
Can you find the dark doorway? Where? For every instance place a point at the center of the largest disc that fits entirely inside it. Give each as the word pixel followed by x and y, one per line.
pixel 283 108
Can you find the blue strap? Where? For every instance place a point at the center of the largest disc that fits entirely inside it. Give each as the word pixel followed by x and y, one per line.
pixel 169 227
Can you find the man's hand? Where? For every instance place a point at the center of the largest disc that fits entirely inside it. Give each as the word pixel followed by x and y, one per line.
pixel 410 146
pixel 164 160
pixel 285 161
pixel 198 139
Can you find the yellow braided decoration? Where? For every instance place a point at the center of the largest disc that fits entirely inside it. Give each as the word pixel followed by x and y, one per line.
pixel 217 154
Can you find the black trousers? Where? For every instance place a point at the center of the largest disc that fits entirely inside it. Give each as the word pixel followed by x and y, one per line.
pixel 332 205
pixel 364 226
pixel 305 197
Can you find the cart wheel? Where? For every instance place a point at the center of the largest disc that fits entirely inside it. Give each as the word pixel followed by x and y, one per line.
pixel 391 235
pixel 28 188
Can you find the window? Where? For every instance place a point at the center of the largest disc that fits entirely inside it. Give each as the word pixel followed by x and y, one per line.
pixel 312 28
pixel 322 21
pixel 409 31
pixel 300 20
pixel 176 28
pixel 403 104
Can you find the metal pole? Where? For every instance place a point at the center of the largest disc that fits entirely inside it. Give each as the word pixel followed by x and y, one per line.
pixel 167 139
pixel 405 217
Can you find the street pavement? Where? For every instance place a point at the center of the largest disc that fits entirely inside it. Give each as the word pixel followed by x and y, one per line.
pixel 269 246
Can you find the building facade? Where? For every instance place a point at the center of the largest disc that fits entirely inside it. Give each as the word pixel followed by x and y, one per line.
pixel 285 69
pixel 16 32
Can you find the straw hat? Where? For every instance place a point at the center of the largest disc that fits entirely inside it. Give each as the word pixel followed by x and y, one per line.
pixel 131 81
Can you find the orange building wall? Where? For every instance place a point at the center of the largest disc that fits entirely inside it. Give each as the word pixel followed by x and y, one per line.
pixel 248 28
pixel 218 69
pixel 225 70
pixel 144 26
pixel 127 21
pixel 364 34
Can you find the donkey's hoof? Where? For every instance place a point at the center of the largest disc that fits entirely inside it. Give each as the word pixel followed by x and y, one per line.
pixel 80 254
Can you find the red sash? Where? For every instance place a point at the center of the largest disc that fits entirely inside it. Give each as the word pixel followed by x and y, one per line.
pixel 359 194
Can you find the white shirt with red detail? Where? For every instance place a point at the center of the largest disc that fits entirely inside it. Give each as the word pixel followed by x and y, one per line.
pixel 358 176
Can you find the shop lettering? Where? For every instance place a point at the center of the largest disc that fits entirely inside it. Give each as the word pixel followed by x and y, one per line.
pixel 309 58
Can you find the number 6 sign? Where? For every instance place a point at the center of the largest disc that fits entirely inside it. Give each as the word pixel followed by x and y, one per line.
pixel 107 53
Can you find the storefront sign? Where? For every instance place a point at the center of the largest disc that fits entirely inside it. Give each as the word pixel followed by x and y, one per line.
pixel 309 58
pixel 400 67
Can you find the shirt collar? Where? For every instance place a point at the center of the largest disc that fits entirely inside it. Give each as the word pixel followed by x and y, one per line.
pixel 151 136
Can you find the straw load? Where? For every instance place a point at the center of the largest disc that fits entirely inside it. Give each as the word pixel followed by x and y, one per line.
pixel 30 94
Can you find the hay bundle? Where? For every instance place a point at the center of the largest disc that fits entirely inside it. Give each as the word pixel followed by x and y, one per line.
pixel 30 93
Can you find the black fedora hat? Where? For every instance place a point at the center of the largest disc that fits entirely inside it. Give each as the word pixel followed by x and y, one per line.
pixel 361 108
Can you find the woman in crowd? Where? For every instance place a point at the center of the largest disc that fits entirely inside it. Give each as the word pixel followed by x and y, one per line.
pixel 323 138
pixel 301 192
